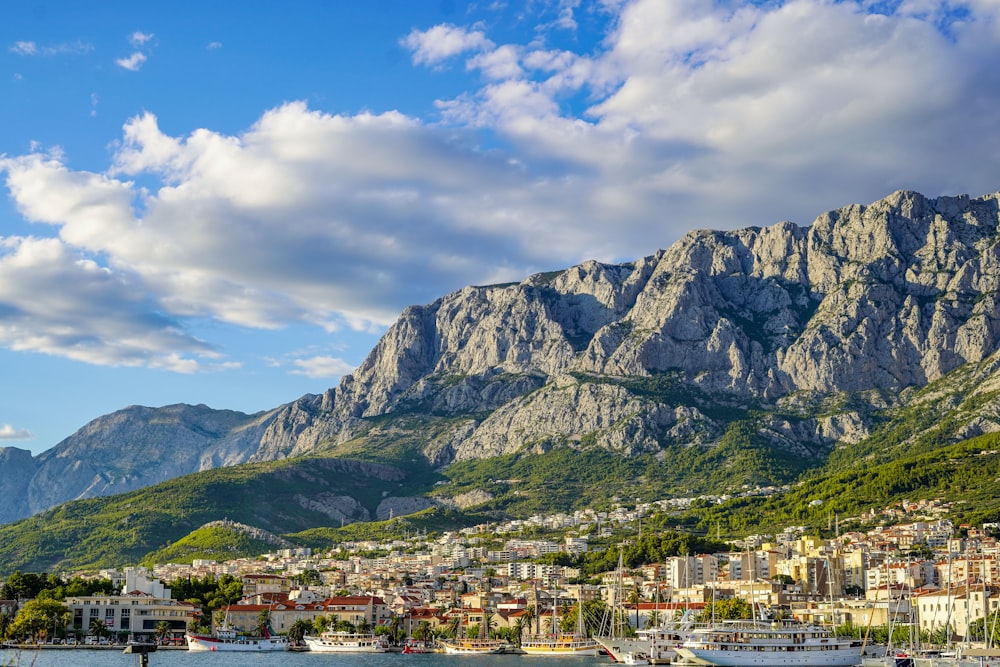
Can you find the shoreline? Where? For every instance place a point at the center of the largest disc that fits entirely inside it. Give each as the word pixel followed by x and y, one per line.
pixel 82 647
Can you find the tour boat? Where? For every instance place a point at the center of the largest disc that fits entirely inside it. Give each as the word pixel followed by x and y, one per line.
pixel 768 644
pixel 347 642
pixel 227 638
pixel 561 643
pixel 473 646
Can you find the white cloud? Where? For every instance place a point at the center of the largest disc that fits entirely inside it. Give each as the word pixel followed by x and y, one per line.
pixel 24 48
pixel 138 39
pixel 30 48
pixel 690 114
pixel 322 367
pixel 212 46
pixel 8 432
pixel 502 63
pixel 133 62
pixel 430 47
pixel 54 301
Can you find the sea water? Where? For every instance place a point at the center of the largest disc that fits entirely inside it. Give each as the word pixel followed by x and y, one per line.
pixel 83 657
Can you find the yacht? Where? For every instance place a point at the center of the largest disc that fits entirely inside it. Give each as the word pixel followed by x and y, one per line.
pixel 768 644
pixel 347 642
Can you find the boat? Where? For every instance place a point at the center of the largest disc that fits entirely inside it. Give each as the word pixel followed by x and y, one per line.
pixel 346 642
pixel 473 646
pixel 635 658
pixel 418 646
pixel 768 644
pixel 228 638
pixel 566 643
pixel 656 644
pixel 561 643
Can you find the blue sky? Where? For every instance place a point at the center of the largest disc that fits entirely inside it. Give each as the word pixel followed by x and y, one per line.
pixel 228 203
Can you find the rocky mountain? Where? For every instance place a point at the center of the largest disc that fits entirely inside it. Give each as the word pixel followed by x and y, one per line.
pixel 129 449
pixel 806 334
pixel 882 297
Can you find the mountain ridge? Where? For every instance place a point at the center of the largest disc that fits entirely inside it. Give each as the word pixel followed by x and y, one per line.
pixel 789 337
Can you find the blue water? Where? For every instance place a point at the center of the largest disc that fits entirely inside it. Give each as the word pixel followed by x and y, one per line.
pixel 84 657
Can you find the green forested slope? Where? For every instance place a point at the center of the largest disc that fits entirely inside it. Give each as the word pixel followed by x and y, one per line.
pixel 122 529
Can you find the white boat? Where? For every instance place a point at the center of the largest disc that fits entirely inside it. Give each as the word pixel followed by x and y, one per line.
pixel 346 642
pixel 473 646
pixel 658 645
pixel 768 644
pixel 227 638
pixel 635 658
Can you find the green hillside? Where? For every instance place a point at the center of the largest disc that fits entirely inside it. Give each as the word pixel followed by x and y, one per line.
pixel 963 476
pixel 122 529
pixel 910 454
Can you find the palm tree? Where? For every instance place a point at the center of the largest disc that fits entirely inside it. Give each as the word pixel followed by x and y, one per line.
pixel 520 624
pixel 488 624
pixel 319 624
pixel 299 629
pixel 98 629
pixel 395 628
pixel 162 630
pixel 423 631
pixel 529 617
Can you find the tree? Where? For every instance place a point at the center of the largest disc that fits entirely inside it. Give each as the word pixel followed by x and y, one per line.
pixel 731 609
pixel 320 624
pixel 489 624
pixel 299 629
pixel 423 631
pixel 520 624
pixel 396 631
pixel 6 619
pixel 37 618
pixel 98 628
pixel 163 630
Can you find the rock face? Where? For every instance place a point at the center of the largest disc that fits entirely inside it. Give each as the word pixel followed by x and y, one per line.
pixel 876 298
pixel 126 450
pixel 881 297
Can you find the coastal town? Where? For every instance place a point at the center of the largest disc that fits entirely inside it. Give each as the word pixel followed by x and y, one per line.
pixel 913 569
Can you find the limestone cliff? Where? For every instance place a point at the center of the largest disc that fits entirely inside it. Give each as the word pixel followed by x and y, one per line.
pixel 869 301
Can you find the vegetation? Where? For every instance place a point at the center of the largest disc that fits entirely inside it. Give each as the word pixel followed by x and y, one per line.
pixel 953 472
pixel 27 585
pixel 212 542
pixel 911 454
pixel 122 529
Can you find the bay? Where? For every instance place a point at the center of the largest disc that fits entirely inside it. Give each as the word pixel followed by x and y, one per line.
pixel 83 657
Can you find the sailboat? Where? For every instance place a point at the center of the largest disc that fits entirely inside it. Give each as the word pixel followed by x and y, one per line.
pixel 556 643
pixel 655 645
pixel 461 645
